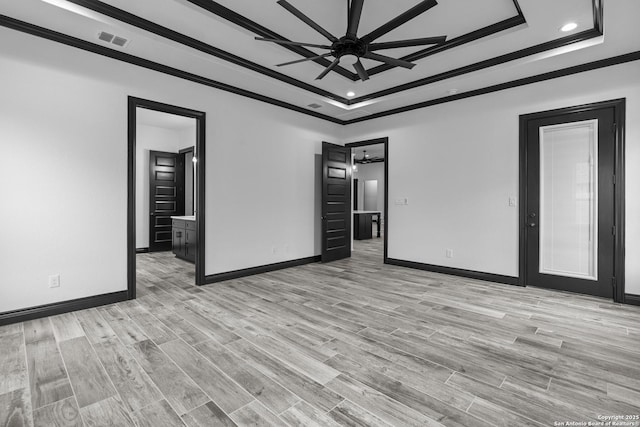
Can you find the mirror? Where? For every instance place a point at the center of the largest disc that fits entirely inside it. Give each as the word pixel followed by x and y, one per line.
pixel 370 195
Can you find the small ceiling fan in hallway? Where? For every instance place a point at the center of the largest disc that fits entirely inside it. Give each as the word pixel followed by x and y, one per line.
pixel 350 48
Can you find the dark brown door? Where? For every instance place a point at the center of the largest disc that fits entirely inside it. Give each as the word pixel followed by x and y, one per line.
pixel 164 183
pixel 336 202
pixel 570 202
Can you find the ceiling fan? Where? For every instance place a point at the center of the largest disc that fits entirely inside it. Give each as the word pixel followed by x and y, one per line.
pixel 350 48
pixel 367 159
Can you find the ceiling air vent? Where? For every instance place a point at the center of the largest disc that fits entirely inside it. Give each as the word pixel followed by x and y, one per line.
pixel 119 41
pixel 113 39
pixel 105 37
pixel 314 105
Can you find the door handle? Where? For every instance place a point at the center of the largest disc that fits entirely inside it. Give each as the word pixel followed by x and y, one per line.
pixel 152 214
pixel 532 224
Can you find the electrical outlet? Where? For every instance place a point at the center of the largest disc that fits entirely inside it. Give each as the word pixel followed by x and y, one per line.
pixel 513 202
pixel 449 253
pixel 54 281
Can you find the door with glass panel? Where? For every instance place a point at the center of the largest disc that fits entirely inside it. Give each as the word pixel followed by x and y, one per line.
pixel 570 202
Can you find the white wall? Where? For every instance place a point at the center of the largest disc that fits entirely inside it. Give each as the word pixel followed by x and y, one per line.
pixel 63 122
pixel 366 172
pixel 458 165
pixel 63 125
pixel 157 139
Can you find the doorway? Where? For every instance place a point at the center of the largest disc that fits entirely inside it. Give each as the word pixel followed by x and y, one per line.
pixel 572 192
pixel 151 217
pixel 370 183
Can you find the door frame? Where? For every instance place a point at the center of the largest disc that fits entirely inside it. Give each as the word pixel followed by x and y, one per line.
pixel 618 106
pixel 184 166
pixel 383 140
pixel 132 104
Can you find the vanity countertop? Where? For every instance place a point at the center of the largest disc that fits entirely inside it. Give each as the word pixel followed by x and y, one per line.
pixel 185 218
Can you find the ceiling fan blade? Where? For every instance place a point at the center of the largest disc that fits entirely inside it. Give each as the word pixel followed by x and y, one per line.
pixel 354 17
pixel 361 71
pixel 329 68
pixel 389 60
pixel 297 61
pixel 304 18
pixel 419 9
pixel 289 42
pixel 408 43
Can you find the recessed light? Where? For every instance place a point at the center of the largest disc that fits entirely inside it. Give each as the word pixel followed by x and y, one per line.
pixel 570 26
pixel 452 91
pixel 351 94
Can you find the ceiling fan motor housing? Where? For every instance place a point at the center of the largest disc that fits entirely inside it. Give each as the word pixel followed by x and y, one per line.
pixel 348 46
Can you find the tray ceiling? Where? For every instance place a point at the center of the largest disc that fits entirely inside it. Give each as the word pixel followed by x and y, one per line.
pixel 490 44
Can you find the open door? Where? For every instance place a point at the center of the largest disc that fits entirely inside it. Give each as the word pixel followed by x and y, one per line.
pixel 164 184
pixel 336 202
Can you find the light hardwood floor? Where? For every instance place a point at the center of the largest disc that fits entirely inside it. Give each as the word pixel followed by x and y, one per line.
pixel 354 342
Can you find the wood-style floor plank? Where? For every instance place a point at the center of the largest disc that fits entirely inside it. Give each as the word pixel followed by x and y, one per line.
pixel 150 326
pixel 66 327
pixel 409 396
pixel 320 372
pixel 354 342
pixel 379 404
pixel 131 382
pixel 622 394
pixel 48 380
pixel 14 328
pixel 15 409
pixel 432 385
pixel 255 414
pixel 208 414
pixel 348 414
pixel 271 394
pixel 181 327
pixel 158 414
pixel 62 413
pixel 518 402
pixel 498 416
pixel 13 372
pixel 89 380
pixel 226 393
pixel 125 328
pixel 305 415
pixel 311 391
pixel 95 327
pixel 106 413
pixel 181 392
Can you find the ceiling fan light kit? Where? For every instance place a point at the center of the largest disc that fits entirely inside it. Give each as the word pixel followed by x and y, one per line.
pixel 350 48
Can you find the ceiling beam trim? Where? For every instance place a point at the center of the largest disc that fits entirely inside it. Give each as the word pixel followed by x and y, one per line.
pixel 167 33
pixel 582 68
pixel 489 30
pixel 65 39
pixel 543 47
pixel 262 31
pixel 246 23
